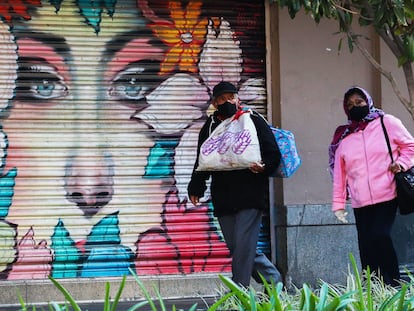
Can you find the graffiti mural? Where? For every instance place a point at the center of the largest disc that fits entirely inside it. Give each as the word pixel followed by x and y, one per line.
pixel 101 103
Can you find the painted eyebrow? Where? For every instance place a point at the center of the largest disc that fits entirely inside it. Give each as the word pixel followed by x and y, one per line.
pixel 118 42
pixel 57 43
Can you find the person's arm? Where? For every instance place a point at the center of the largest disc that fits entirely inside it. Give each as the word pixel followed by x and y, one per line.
pixel 268 148
pixel 400 136
pixel 198 183
pixel 339 192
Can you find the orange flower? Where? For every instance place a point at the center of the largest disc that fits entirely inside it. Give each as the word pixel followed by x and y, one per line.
pixel 185 36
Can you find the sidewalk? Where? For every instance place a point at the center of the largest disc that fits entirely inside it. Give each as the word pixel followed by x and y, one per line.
pixel 182 291
pixel 180 304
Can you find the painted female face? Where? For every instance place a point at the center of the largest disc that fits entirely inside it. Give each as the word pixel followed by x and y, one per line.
pixel 77 92
pixel 101 131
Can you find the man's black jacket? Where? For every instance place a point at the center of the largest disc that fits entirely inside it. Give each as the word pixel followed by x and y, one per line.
pixel 238 189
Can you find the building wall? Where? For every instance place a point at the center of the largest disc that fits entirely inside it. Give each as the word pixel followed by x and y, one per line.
pixel 311 244
pixel 403 230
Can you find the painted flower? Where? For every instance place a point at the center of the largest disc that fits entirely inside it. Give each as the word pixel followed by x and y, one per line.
pixel 185 36
pixel 172 249
pixel 221 56
pixel 182 96
pixel 34 259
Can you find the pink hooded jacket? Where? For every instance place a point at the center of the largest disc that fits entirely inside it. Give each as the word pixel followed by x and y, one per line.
pixel 362 162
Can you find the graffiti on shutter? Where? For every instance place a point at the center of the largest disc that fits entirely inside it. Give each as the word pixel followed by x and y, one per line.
pixel 101 103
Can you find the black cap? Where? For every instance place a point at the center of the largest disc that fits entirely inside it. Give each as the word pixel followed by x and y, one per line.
pixel 224 87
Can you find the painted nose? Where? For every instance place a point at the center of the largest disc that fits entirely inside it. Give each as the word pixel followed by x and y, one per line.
pixel 89 184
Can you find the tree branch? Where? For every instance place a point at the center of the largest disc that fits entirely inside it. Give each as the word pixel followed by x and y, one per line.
pixel 386 74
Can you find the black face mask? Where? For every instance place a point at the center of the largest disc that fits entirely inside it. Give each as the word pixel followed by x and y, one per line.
pixel 226 110
pixel 357 113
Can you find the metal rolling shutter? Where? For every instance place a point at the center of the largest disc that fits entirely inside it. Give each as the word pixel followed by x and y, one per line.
pixel 99 130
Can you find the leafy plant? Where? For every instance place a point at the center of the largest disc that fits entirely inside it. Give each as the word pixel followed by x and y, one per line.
pixel 150 300
pixel 374 295
pixel 109 305
pixel 364 292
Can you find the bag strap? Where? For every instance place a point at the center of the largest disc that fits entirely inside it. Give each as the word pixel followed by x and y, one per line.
pixel 255 113
pixel 387 139
pixel 210 128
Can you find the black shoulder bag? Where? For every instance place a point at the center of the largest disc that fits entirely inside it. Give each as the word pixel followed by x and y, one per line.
pixel 404 182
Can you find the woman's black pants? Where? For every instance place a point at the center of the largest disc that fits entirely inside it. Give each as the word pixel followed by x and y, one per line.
pixel 376 249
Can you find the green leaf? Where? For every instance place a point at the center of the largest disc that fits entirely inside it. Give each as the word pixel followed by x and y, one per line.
pixel 21 300
pixel 65 293
pixel 56 307
pixel 409 10
pixel 107 301
pixel 252 302
pixel 402 60
pixel 350 44
pixel 219 302
pixel 323 297
pixel 370 304
pixel 243 297
pixel 379 17
pixel 138 305
pixel 358 282
pixel 193 307
pixel 340 44
pixel 409 47
pixel 118 294
pixel 293 7
pixel 144 290
pixel 308 299
pixel 388 303
pixel 333 305
pixel 398 10
pixel 160 300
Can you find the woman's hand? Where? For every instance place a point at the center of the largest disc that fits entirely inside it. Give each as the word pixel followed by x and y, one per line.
pixel 395 168
pixel 341 216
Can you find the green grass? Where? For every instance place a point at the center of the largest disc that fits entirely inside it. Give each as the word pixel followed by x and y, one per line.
pixel 360 293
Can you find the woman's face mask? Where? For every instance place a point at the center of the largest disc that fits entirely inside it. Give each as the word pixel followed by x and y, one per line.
pixel 357 113
pixel 227 109
pixel 357 107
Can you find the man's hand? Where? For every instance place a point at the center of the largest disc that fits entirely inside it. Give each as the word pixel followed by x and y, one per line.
pixel 195 200
pixel 341 216
pixel 257 167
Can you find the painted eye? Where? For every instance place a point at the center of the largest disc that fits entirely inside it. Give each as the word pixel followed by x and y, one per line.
pixel 129 85
pixel 135 82
pixel 38 80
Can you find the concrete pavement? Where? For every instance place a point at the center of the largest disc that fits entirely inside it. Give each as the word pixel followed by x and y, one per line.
pixel 182 291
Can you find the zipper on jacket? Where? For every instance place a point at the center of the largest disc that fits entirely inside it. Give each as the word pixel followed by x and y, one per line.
pixel 366 163
pixel 211 125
